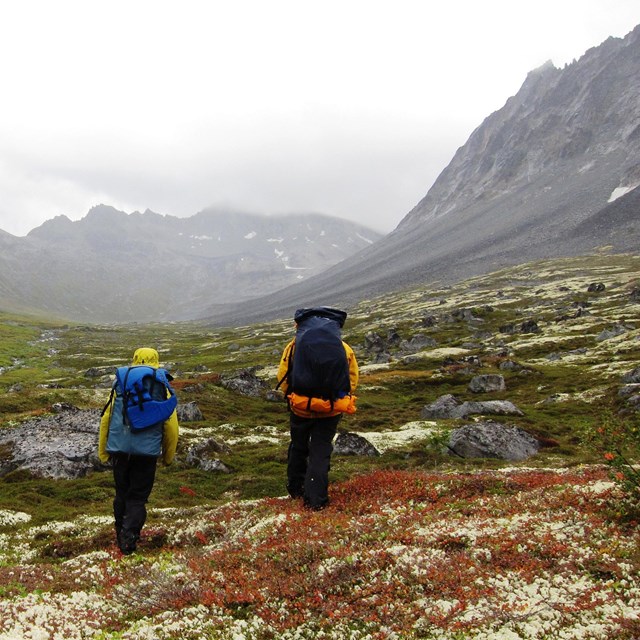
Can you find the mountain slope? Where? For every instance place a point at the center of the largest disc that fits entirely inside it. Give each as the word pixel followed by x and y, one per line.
pixel 524 186
pixel 111 266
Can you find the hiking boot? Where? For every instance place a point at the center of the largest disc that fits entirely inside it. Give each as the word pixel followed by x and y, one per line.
pixel 295 492
pixel 127 541
pixel 315 506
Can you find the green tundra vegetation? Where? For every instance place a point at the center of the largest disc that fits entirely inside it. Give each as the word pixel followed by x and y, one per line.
pixel 566 382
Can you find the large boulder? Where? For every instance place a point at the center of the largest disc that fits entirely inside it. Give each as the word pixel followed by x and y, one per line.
pixel 419 342
pixel 245 382
pixel 189 412
pixel 448 406
pixel 632 376
pixel 444 407
pixel 202 455
pixel 61 445
pixel 492 440
pixel 351 444
pixel 487 383
pixel 490 407
pixel 376 348
pixel 613 332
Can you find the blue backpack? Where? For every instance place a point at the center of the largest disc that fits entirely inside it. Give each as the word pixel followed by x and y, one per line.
pixel 147 396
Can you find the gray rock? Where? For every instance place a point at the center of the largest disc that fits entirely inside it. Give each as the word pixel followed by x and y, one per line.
pixel 463 315
pixel 629 390
pixel 492 440
pixel 632 376
pixel 634 400
pixel 189 412
pixel 214 466
pixel 98 372
pixel 607 334
pixel 529 326
pixel 63 445
pixel 448 406
pixel 596 287
pixel 490 407
pixel 351 444
pixel 509 329
pixel 486 383
pixel 374 343
pixel 444 407
pixel 418 343
pixel 274 395
pixel 393 338
pixel 509 365
pixel 245 382
pixel 202 455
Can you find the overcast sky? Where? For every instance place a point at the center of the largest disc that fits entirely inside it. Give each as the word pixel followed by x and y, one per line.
pixel 345 107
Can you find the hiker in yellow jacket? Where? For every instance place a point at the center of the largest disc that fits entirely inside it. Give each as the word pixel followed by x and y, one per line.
pixel 315 411
pixel 134 458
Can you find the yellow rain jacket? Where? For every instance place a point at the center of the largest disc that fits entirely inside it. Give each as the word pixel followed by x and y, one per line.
pixel 298 403
pixel 150 357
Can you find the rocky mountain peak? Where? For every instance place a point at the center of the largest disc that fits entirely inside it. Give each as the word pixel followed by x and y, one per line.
pixel 561 120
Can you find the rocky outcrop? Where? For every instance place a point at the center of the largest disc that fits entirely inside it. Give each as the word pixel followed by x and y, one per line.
pixel 189 412
pixel 632 376
pixel 379 349
pixel 245 382
pixel 448 406
pixel 202 455
pixel 487 383
pixel 61 445
pixel 492 440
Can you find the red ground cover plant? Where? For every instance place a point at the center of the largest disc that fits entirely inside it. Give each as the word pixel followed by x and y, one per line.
pixel 502 554
pixel 371 557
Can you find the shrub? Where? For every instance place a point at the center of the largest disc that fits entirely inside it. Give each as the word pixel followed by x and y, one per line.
pixel 615 438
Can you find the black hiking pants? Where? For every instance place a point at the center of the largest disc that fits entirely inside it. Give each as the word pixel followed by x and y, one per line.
pixel 309 458
pixel 134 477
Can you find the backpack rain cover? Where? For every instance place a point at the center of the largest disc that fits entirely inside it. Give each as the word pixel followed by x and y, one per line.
pixel 319 368
pixel 144 394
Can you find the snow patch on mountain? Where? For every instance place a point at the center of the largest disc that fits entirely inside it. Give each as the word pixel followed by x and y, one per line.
pixel 618 192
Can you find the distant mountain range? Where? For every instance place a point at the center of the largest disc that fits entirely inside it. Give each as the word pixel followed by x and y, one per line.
pixel 555 172
pixel 114 267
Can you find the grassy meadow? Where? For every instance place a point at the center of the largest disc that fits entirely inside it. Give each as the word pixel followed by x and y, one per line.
pixel 416 543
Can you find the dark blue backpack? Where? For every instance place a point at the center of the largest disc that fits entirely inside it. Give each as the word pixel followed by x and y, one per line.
pixel 319 366
pixel 147 396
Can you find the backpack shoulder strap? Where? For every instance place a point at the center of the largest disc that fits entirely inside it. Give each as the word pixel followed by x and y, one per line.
pixel 109 401
pixel 288 357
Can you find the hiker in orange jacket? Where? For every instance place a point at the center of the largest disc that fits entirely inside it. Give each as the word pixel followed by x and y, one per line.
pixel 314 417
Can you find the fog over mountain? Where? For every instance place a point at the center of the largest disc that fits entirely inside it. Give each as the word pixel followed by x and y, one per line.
pixel 555 172
pixel 114 267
